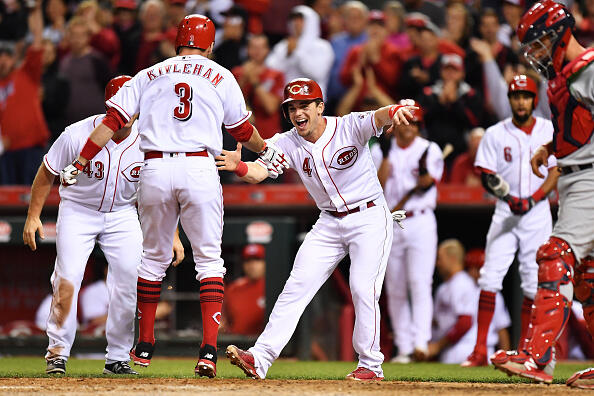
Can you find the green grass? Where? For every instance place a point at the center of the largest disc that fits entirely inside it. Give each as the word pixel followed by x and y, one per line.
pixel 282 369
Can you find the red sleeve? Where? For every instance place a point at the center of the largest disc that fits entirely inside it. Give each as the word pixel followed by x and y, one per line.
pixel 113 120
pixel 463 324
pixel 346 73
pixel 33 64
pixel 387 70
pixel 243 132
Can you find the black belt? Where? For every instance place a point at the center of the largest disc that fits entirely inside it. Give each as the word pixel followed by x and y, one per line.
pixel 566 170
pixel 336 213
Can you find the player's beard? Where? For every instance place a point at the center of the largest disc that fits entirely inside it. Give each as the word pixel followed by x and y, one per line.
pixel 521 119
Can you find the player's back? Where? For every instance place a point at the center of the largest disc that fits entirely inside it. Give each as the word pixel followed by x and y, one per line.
pixel 182 103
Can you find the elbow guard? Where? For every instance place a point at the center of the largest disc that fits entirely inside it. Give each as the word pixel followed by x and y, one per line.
pixel 495 184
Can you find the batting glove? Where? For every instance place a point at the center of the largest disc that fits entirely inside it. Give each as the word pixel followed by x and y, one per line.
pixel 398 216
pixel 68 174
pixel 272 173
pixel 519 206
pixel 275 158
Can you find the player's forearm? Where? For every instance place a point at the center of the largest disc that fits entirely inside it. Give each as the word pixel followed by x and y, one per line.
pixel 255 143
pixel 255 173
pixel 551 181
pixel 40 189
pixel 100 136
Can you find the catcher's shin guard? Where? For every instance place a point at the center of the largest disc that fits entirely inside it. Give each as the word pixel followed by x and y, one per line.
pixel 552 303
pixel 584 289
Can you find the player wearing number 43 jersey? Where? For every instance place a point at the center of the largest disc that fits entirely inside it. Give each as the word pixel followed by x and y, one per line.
pixel 331 156
pixel 182 101
pixel 522 219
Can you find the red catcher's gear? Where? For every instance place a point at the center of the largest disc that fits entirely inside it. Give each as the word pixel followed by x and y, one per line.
pixel 523 83
pixel 114 85
pixel 551 19
pixel 195 31
pixel 584 289
pixel 300 89
pixel 551 308
pixel 572 121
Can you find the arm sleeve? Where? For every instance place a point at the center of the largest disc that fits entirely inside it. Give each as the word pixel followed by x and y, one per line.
pixel 60 154
pixel 582 87
pixel 362 126
pixel 435 162
pixel 127 100
pixel 486 155
pixel 236 112
pixel 33 64
pixel 497 89
pixel 462 325
pixel 376 155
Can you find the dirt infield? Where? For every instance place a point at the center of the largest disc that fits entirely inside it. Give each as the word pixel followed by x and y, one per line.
pixel 224 387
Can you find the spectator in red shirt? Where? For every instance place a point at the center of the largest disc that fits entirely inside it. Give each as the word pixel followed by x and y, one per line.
pixel 23 127
pixel 245 299
pixel 463 170
pixel 261 86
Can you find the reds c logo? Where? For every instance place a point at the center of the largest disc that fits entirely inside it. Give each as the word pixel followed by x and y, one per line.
pixel 344 158
pixel 299 89
pixel 132 172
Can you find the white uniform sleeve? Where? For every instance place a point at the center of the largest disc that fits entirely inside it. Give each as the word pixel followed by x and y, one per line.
pixel 93 302
pixel 61 154
pixel 582 88
pixel 497 89
pixel 362 126
pixel 464 296
pixel 127 100
pixel 486 155
pixel 236 112
pixel 435 161
pixel 376 155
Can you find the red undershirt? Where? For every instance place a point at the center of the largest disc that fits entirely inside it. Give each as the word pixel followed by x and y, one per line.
pixel 526 128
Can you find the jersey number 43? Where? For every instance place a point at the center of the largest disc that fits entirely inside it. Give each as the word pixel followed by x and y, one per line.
pixel 183 111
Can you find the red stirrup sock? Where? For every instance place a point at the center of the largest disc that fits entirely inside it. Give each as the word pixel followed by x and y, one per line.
pixel 211 303
pixel 149 293
pixel 485 314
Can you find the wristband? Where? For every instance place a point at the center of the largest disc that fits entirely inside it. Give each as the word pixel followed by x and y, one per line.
pixel 394 109
pixel 78 165
pixel 242 169
pixel 263 149
pixel 538 195
pixel 90 150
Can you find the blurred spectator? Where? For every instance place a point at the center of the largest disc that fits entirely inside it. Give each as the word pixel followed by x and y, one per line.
pixel 55 91
pixel 55 11
pixel 87 73
pixel 375 54
pixel 152 19
pixel 455 306
pixel 324 10
pixel 354 15
pixel 255 10
pixel 452 107
pixel 23 127
pixel 211 8
pixel 463 170
pixel 488 28
pixel 364 93
pixel 261 86
pixel 583 13
pixel 232 49
pixel 512 12
pixel 430 8
pixel 498 335
pixel 103 37
pixel 13 20
pixel 176 11
pixel 245 299
pixel 276 17
pixel 303 53
pixel 128 30
pixel 394 13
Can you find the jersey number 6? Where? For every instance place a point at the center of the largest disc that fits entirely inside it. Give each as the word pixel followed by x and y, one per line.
pixel 183 111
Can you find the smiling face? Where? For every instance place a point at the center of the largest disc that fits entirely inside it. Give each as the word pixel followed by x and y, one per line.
pixel 306 117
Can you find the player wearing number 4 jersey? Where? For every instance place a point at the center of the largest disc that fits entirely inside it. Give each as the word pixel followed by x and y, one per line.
pixel 182 101
pixel 331 155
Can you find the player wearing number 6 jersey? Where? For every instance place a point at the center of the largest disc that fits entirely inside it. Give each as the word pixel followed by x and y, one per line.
pixel 182 101
pixel 331 155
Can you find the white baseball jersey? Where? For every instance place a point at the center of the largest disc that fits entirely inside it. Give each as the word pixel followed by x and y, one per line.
pixel 404 173
pixel 337 170
pixel 507 150
pixel 184 102
pixel 109 181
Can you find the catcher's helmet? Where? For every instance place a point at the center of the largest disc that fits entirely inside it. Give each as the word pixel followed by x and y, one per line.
pixel 300 89
pixel 474 258
pixel 551 20
pixel 114 85
pixel 417 114
pixel 523 83
pixel 195 31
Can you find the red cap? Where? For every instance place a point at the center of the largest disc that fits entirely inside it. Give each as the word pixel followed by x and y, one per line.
pixel 195 31
pixel 453 60
pixel 253 251
pixel 300 89
pixel 376 16
pixel 475 258
pixel 523 83
pixel 421 21
pixel 127 4
pixel 114 85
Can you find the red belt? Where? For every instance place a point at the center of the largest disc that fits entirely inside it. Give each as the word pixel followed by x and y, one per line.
pixel 335 213
pixel 160 154
pixel 411 213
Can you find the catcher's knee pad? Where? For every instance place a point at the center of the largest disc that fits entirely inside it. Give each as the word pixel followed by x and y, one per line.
pixel 553 297
pixel 584 289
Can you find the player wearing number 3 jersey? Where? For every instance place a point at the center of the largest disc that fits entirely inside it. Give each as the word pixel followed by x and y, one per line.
pixel 331 155
pixel 182 103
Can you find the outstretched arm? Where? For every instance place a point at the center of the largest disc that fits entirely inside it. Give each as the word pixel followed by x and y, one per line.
pixel 395 114
pixel 250 172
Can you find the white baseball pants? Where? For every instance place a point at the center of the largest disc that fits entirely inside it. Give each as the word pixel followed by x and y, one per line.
pixel 366 236
pixel 119 237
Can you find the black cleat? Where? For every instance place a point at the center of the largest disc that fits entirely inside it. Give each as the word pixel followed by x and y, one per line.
pixel 207 365
pixel 142 353
pixel 56 366
pixel 119 368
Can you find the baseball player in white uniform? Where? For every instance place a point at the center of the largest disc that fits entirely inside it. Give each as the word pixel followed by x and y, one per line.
pixel 522 218
pixel 332 157
pixel 408 166
pixel 100 208
pixel 183 101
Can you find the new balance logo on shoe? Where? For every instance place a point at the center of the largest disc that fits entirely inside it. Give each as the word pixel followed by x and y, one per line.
pixel 209 356
pixel 144 354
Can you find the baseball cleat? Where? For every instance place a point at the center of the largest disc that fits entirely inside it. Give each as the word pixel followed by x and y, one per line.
pixel 582 379
pixel 401 359
pixel 508 361
pixel 363 374
pixel 244 360
pixel 56 366
pixel 207 365
pixel 119 368
pixel 476 359
pixel 142 353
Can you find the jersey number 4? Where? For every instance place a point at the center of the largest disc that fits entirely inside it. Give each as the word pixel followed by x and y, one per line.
pixel 306 167
pixel 99 170
pixel 183 111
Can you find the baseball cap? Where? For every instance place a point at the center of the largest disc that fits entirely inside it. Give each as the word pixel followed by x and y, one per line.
pixel 126 4
pixel 474 258
pixel 421 21
pixel 376 16
pixel 253 251
pixel 452 60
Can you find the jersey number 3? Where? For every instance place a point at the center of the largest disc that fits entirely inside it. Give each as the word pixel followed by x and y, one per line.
pixel 183 111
